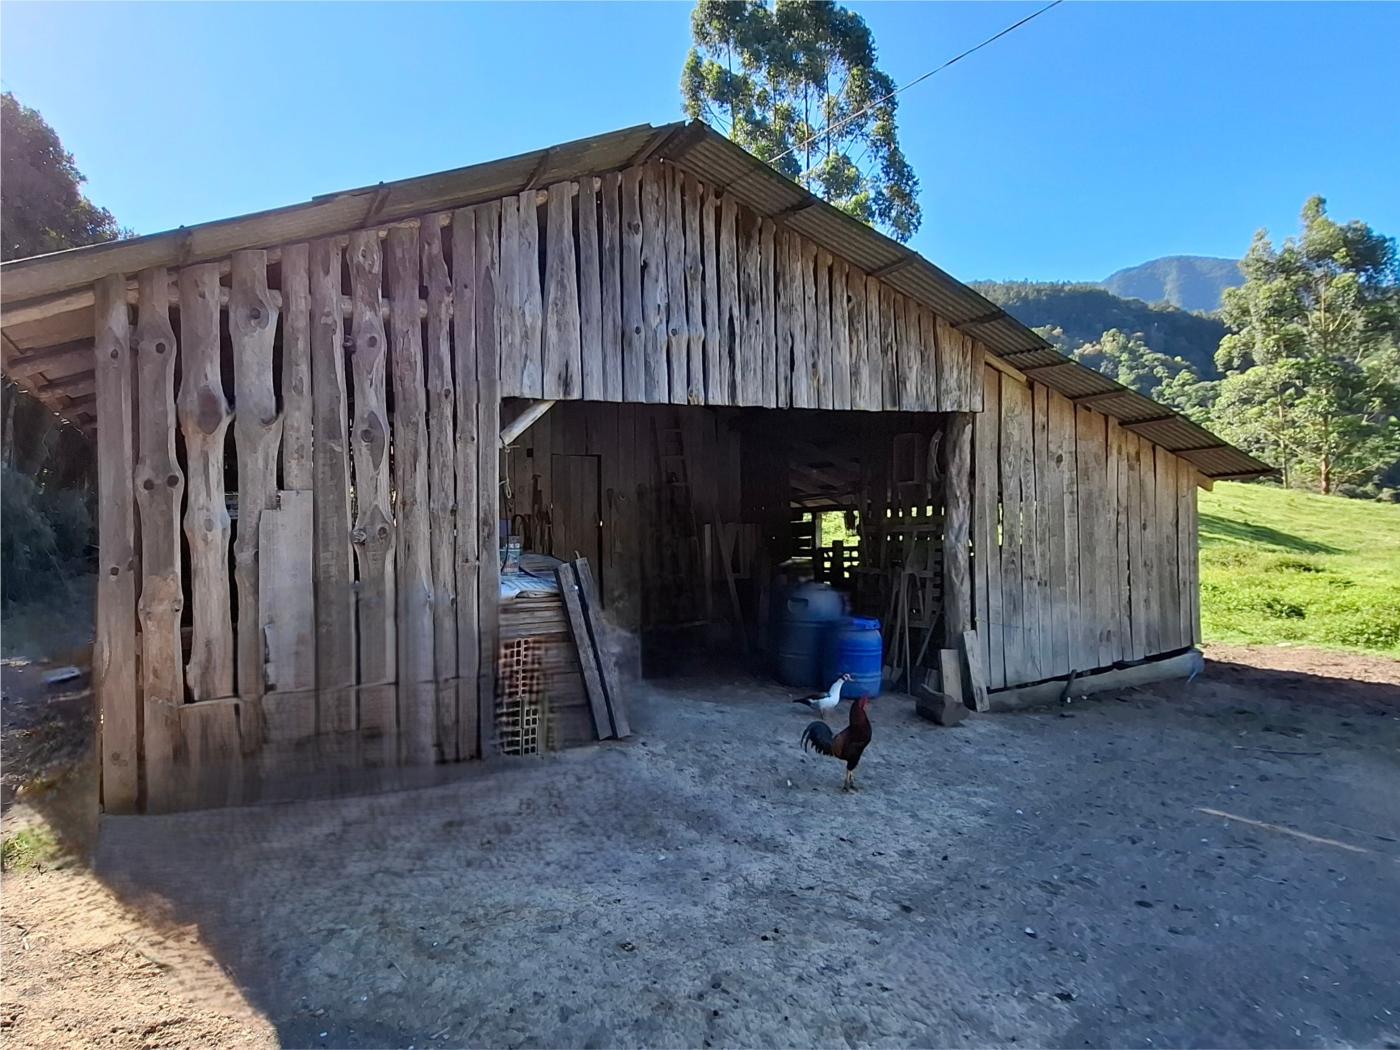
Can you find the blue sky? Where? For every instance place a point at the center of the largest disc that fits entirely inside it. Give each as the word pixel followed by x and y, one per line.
pixel 1096 137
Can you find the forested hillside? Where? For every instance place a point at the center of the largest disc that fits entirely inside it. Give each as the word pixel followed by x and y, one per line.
pixel 1191 282
pixel 1084 312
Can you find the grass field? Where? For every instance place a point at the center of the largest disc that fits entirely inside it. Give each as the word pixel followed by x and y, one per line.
pixel 1284 566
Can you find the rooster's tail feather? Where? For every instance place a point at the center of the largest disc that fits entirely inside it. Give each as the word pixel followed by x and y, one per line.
pixel 818 737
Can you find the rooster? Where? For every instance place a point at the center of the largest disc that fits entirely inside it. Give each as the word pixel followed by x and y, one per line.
pixel 821 703
pixel 847 745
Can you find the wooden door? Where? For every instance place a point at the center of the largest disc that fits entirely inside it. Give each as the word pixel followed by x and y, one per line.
pixel 578 510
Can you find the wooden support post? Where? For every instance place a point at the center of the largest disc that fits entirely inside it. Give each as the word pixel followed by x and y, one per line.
pixel 957 573
pixel 114 653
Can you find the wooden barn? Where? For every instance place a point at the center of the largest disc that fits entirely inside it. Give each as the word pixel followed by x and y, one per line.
pixel 322 430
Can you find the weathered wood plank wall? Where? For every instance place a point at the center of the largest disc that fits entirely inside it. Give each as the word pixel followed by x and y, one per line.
pixel 1084 539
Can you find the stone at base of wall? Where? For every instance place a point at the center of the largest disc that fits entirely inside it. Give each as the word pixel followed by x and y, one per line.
pixel 1186 664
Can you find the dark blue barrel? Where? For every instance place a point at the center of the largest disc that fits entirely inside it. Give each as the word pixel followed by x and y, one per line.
pixel 808 615
pixel 855 648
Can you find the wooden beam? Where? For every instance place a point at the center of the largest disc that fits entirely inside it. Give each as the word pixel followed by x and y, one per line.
pixel 889 268
pixel 1100 395
pixel 78 352
pixel 73 382
pixel 1146 422
pixel 995 315
pixel 524 421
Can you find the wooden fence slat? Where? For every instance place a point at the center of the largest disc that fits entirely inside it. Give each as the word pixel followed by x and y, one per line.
pixel 414 571
pixel 633 313
pixel 257 431
pixel 160 486
pixel 677 325
pixel 204 420
pixel 286 586
pixel 654 347
pixel 468 540
pixel 114 649
pixel 335 597
pixel 531 311
pixel 442 477
pixel 296 369
pixel 730 316
pixel 590 295
pixel 563 355
pixel 374 536
pixel 768 323
pixel 611 281
pixel 840 337
pixel 487 482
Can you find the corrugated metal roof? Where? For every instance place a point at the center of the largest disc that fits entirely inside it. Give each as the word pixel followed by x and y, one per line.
pixel 695 147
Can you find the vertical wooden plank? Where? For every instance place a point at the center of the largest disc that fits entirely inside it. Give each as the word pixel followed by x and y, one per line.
pixel 889 358
pixel 563 355
pixel 768 336
pixel 296 369
pixel 1074 622
pixel 1149 555
pixel 840 337
pixel 611 286
pixel 257 429
pixel 977 359
pixel 957 527
pixel 730 314
pixel 1193 555
pixel 1059 457
pixel 709 248
pixel 374 536
pixel 1088 430
pixel 948 396
pixel 908 352
pixel 335 598
pixel 694 298
pixel 1015 403
pixel 677 326
pixel 204 419
pixel 286 586
pixel 529 308
pixel 1167 531
pixel 657 381
pixel 874 348
pixel 1115 554
pixel 1030 560
pixel 593 386
pixel 442 477
pixel 114 648
pixel 412 551
pixel 468 539
pixel 818 371
pixel 633 313
pixel 855 340
pixel 1132 465
pixel 984 546
pixel 513 365
pixel 1118 498
pixel 749 365
pixel 159 488
pixel 826 357
pixel 1185 485
pixel 785 271
pixel 1038 526
pixel 487 485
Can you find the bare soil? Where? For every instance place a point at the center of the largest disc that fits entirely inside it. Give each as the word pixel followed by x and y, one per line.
pixel 1187 865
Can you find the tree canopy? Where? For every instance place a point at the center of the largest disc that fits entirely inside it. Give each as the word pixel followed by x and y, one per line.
pixel 42 207
pixel 797 84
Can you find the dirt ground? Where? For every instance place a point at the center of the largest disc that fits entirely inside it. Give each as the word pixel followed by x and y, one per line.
pixel 1202 865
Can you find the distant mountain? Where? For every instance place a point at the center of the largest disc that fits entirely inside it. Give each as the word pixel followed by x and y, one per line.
pixel 1085 311
pixel 1192 282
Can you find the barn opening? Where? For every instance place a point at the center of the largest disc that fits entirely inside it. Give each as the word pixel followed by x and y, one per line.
pixel 698 521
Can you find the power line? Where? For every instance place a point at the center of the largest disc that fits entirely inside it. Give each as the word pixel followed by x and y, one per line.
pixel 917 80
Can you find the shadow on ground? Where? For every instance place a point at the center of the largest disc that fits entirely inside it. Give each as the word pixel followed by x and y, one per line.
pixel 1214 527
pixel 1049 878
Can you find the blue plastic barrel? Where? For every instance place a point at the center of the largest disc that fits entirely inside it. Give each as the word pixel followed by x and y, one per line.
pixel 855 648
pixel 808 615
